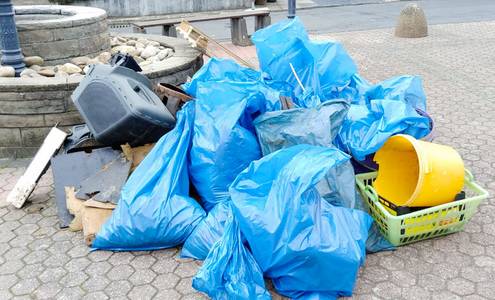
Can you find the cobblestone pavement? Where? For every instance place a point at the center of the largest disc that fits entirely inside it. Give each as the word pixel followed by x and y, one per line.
pixel 457 62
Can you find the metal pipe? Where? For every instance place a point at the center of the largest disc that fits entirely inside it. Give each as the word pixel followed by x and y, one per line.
pixel 292 9
pixel 9 40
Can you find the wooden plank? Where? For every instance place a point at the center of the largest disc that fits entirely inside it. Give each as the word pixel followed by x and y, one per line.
pixel 200 40
pixel 204 17
pixel 26 184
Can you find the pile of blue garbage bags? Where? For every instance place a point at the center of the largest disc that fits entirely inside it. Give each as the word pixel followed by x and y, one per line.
pixel 276 197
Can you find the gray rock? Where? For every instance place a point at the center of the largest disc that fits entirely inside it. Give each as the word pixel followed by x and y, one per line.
pixel 61 74
pixel 7 71
pixel 104 57
pixel 139 59
pixel 412 22
pixel 114 42
pixel 154 43
pixel 136 52
pixel 123 49
pixel 47 72
pixel 139 45
pixel 35 67
pixel 82 60
pixel 164 53
pixel 70 68
pixel 149 51
pixel 131 43
pixel 33 60
pixel 28 72
pixel 142 41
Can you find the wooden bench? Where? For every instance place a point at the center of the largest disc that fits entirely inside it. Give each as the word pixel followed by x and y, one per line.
pixel 238 28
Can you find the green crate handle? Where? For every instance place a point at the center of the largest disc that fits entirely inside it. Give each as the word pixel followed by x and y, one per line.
pixel 373 195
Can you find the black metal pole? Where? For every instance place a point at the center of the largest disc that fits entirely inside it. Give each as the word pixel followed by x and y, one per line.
pixel 292 9
pixel 9 40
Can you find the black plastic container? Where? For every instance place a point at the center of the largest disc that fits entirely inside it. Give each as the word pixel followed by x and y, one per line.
pixel 119 106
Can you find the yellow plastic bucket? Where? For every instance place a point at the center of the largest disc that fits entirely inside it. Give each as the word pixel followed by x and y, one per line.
pixel 415 173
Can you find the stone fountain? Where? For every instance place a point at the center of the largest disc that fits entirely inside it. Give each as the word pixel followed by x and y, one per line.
pixel 58 42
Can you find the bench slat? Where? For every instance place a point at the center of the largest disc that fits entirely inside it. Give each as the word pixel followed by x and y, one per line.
pixel 203 17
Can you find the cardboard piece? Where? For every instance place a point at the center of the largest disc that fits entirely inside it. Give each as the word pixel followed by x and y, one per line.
pixel 75 207
pixel 95 214
pixel 137 154
pixel 26 184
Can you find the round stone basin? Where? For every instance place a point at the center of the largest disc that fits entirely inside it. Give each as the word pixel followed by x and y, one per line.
pixel 29 107
pixel 58 33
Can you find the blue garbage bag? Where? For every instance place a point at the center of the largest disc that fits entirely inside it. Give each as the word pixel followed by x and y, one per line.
pixel 155 210
pixel 379 111
pixel 318 126
pixel 368 126
pixel 286 53
pixel 320 71
pixel 303 243
pixel 224 140
pixel 220 70
pixel 230 271
pixel 314 126
pixel 407 89
pixel 208 232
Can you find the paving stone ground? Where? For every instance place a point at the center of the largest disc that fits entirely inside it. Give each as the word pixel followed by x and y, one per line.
pixel 457 63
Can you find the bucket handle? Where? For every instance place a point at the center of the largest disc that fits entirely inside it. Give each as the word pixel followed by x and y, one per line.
pixel 371 193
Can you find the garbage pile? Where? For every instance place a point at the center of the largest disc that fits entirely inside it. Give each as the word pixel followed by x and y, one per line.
pixel 256 176
pixel 256 172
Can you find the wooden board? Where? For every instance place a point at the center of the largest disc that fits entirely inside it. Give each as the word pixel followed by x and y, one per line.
pixel 26 184
pixel 199 40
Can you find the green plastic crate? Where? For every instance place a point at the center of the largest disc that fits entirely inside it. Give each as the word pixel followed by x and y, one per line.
pixel 426 223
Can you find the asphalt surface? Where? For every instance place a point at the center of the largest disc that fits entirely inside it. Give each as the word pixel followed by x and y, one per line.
pixel 359 15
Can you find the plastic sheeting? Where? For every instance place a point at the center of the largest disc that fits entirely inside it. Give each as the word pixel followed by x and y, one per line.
pixel 208 232
pixel 228 98
pixel 155 210
pixel 315 126
pixel 303 243
pixel 230 271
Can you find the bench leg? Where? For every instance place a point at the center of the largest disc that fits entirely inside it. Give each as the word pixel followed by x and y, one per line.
pixel 238 31
pixel 169 30
pixel 137 29
pixel 262 22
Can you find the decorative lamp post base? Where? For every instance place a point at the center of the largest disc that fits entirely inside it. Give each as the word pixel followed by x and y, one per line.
pixel 9 40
